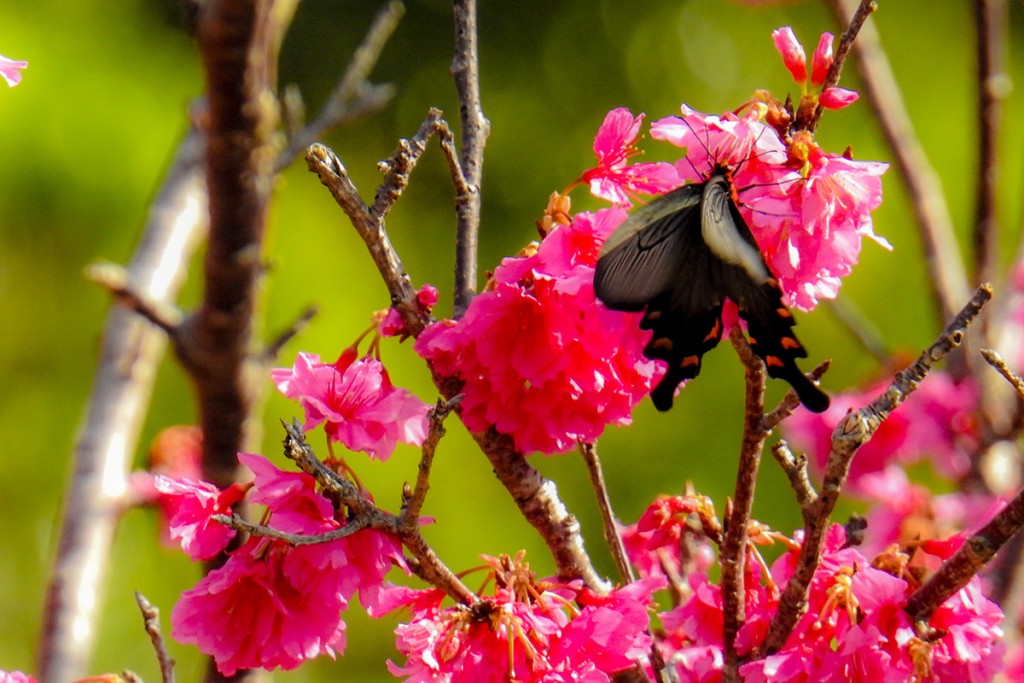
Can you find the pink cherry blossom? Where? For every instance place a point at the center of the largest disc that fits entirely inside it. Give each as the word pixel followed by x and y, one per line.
pixel 273 605
pixel 614 179
pixel 807 218
pixel 792 52
pixel 189 505
pixel 356 400
pixel 10 70
pixel 269 606
pixel 527 352
pixel 668 536
pixel 837 98
pixel 527 631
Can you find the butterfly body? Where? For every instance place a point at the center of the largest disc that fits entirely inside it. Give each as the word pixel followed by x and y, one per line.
pixel 678 259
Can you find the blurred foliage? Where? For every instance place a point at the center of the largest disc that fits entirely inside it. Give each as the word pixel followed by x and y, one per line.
pixel 88 134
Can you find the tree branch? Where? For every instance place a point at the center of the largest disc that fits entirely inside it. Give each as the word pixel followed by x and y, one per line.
pixel 130 351
pixel 851 433
pixel 734 547
pixel 942 252
pixel 151 622
pixel 475 129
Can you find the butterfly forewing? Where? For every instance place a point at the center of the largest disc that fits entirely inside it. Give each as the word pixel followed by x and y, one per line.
pixel 640 261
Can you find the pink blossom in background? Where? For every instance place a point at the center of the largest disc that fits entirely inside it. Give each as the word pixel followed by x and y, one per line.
pixel 356 400
pixel 614 179
pixel 15 677
pixel 524 634
pixel 10 70
pixel 808 219
pixel 937 422
pixel 527 351
pixel 189 505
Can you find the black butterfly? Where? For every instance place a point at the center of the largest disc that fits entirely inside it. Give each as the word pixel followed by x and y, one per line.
pixel 681 256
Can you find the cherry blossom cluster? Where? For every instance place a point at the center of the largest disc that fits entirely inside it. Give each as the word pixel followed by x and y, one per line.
pixel 547 631
pixel 539 358
pixel 854 628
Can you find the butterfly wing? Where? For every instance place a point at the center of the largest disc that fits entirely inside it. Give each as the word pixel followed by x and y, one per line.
pixel 658 260
pixel 745 278
pixel 641 259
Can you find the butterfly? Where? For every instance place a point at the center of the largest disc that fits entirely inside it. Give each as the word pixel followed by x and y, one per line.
pixel 678 258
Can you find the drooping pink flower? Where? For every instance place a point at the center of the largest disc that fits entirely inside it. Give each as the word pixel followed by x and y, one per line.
pixel 837 98
pixel 527 351
pixel 189 505
pixel 808 218
pixel 525 634
pixel 356 400
pixel 10 70
pixel 614 179
pixel 937 421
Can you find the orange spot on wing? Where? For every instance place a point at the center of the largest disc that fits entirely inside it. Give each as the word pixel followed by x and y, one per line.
pixel 773 361
pixel 715 332
pixel 662 343
pixel 783 312
pixel 688 361
pixel 789 343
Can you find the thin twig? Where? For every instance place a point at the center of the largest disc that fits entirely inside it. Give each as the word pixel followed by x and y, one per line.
pixel 851 433
pixel 997 362
pixel 357 524
pixel 129 354
pixel 795 468
pixel 604 504
pixel 413 502
pixel 733 556
pixel 151 621
pixel 475 129
pixel 273 349
pixel 365 514
pixel 864 10
pixel 942 252
pixel 332 174
pixel 791 401
pixel 353 96
pixel 114 278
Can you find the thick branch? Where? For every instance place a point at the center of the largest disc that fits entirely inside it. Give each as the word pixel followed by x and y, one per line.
pixel 129 354
pixel 238 44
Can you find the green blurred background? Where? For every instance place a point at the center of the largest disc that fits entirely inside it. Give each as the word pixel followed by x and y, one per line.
pixel 85 139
